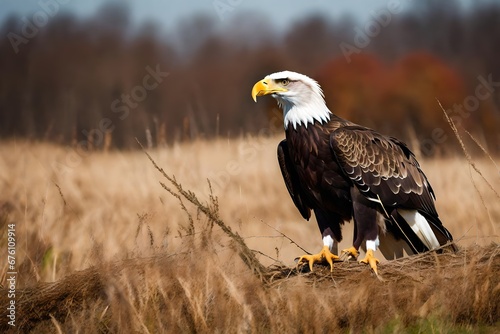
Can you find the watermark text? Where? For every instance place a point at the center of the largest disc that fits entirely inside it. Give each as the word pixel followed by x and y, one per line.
pixel 11 274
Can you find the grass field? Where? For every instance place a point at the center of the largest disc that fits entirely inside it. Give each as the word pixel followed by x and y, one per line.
pixel 124 252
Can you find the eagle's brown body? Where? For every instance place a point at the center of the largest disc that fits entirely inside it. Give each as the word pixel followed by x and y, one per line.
pixel 322 181
pixel 313 155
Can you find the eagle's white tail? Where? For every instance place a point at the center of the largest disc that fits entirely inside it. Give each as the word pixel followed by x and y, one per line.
pixel 421 227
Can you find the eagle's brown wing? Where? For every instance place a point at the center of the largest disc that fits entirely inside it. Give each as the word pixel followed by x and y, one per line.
pixel 292 180
pixel 383 168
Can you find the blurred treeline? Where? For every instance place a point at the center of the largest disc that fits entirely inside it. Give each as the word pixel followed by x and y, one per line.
pixel 78 78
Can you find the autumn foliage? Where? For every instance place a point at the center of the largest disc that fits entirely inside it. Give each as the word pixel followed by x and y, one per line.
pixel 88 82
pixel 397 98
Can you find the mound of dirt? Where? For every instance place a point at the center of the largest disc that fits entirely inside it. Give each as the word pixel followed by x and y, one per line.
pixel 464 285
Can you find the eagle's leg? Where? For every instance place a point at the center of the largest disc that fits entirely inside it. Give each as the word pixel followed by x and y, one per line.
pixel 324 254
pixel 365 227
pixel 371 246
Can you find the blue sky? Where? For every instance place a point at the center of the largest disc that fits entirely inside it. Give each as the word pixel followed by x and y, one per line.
pixel 169 12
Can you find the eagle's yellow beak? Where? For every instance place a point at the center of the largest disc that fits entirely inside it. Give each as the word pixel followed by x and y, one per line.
pixel 266 87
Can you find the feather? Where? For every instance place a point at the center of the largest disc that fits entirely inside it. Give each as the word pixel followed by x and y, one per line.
pixel 292 181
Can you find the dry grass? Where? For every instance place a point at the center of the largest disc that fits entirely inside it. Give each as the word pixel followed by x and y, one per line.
pixel 123 252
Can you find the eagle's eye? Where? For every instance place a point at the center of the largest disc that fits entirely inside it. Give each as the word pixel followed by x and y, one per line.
pixel 284 82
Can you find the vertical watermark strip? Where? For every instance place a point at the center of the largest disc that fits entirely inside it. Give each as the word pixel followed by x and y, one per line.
pixel 11 274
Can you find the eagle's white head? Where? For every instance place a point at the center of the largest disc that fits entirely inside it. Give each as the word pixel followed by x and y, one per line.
pixel 300 97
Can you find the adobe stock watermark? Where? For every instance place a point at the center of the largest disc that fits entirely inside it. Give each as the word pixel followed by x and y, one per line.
pixel 247 152
pixel 121 107
pixel 31 27
pixel 363 35
pixel 224 7
pixel 11 276
pixel 483 91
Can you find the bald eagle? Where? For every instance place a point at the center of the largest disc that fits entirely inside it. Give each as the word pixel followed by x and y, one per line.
pixel 343 171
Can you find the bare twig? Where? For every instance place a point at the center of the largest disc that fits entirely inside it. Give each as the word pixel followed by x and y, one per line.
pixel 483 149
pixel 464 149
pixel 286 237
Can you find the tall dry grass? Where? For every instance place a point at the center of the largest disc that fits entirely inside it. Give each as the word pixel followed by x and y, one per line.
pixel 151 261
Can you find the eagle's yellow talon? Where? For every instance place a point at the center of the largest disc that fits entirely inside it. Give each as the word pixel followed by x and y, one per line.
pixel 350 252
pixel 371 260
pixel 325 254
